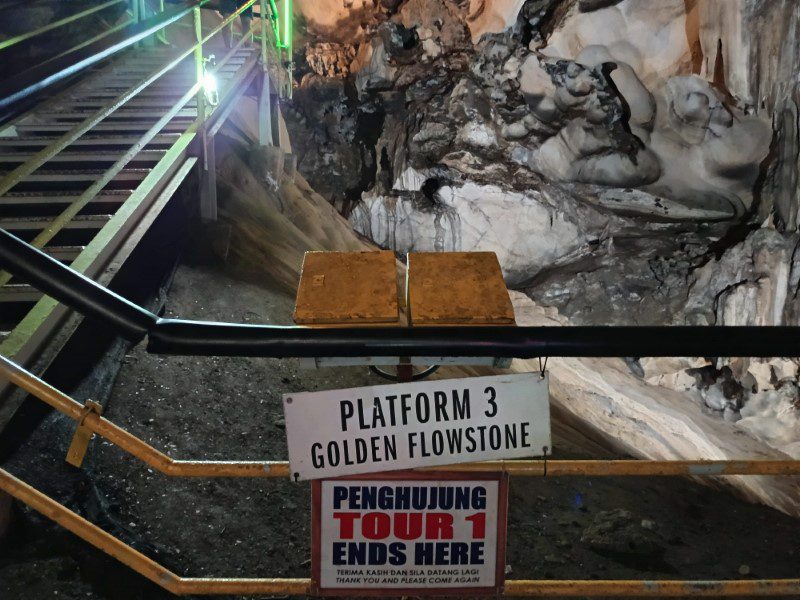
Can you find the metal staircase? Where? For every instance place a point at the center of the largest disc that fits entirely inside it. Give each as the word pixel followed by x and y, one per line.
pixel 87 169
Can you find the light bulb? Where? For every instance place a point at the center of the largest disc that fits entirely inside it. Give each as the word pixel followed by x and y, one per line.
pixel 209 82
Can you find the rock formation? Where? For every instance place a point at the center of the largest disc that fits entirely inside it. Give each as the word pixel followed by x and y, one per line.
pixel 629 161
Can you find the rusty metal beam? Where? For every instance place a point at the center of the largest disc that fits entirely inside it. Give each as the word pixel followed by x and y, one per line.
pixel 271 469
pixel 652 588
pixel 129 442
pixel 297 587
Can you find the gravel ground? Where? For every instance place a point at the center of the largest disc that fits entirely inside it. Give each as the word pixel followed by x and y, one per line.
pixel 229 408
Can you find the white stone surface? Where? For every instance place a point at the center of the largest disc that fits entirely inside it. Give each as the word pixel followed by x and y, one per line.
pixel 410 180
pixel 749 284
pixel 528 231
pixel 696 151
pixel 602 396
pixel 773 416
pixel 648 35
pixel 640 101
pixel 671 372
pixel 491 16
pixel 539 89
pixel 755 42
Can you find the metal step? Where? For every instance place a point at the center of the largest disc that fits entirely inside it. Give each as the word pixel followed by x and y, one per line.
pixel 122 114
pixel 174 126
pixel 185 69
pixel 32 199
pixel 162 139
pixel 39 223
pixel 63 253
pixel 93 158
pixel 93 103
pixel 176 81
pixel 102 96
pixel 19 292
pixel 90 176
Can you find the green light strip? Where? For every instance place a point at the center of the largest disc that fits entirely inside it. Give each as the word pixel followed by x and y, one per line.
pixel 282 41
pixel 287 25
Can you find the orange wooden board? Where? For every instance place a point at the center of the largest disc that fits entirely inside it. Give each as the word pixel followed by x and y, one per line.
pixel 457 288
pixel 347 288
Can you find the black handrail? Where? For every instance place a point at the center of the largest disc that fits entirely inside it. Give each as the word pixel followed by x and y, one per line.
pixel 171 336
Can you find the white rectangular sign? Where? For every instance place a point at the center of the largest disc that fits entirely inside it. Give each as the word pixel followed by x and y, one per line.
pixel 419 424
pixel 417 534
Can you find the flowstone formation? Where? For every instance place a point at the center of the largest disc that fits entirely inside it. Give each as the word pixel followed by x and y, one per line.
pixel 629 161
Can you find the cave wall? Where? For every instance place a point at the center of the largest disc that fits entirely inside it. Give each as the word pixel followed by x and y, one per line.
pixel 629 161
pixel 544 94
pixel 650 99
pixel 19 17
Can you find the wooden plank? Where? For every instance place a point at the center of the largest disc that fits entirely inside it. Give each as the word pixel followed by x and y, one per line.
pixel 457 288
pixel 347 288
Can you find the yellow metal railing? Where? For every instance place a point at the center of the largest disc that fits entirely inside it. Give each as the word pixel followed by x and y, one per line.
pixel 88 418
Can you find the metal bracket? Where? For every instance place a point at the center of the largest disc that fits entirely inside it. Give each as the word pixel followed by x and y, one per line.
pixel 545 450
pixel 83 435
pixel 543 366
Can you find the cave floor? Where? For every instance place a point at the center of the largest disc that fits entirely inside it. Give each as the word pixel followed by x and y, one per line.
pixel 230 408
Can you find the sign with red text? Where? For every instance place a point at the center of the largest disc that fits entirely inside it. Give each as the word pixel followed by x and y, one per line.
pixel 412 534
pixel 419 424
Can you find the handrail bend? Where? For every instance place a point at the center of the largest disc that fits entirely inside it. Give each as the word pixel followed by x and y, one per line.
pixel 173 336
